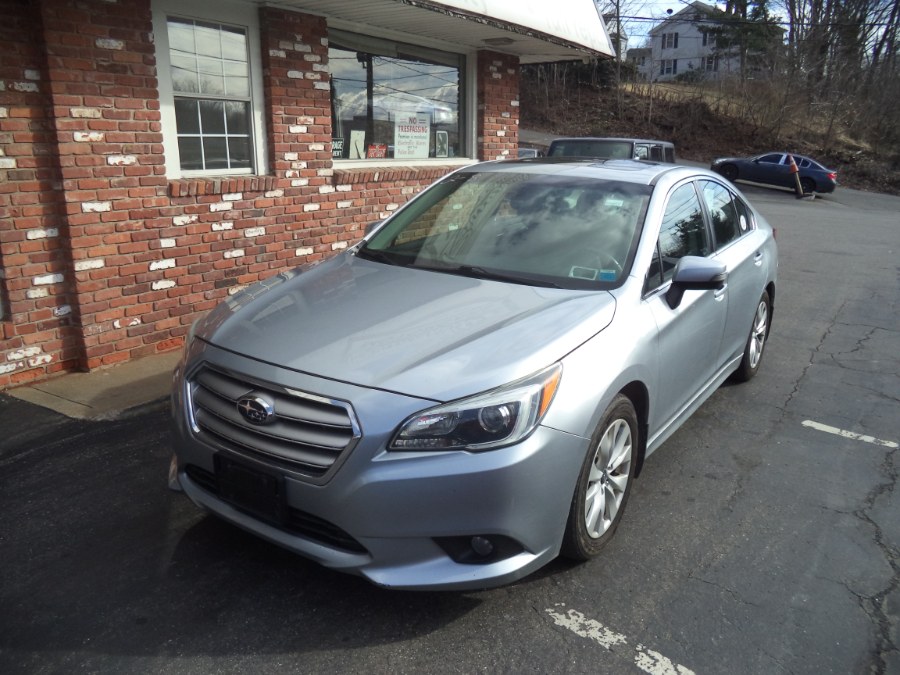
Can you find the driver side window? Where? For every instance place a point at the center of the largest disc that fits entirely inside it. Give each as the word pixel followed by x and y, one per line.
pixel 682 233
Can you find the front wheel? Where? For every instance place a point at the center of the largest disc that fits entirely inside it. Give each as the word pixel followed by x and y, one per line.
pixel 756 342
pixel 729 171
pixel 604 482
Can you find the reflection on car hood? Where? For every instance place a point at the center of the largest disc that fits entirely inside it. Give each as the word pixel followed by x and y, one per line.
pixel 420 333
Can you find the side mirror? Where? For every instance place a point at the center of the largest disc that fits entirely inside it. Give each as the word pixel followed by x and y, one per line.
pixel 693 273
pixel 371 226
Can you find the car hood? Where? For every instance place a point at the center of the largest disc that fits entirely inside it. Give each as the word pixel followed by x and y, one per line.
pixel 426 334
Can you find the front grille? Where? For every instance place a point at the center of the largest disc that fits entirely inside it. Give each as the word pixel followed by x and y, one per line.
pixel 291 520
pixel 306 434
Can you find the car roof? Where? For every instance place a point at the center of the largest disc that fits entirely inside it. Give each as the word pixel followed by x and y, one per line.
pixel 783 152
pixel 626 170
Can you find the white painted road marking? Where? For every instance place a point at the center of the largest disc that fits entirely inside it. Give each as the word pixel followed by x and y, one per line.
pixel 649 661
pixel 849 434
pixel 579 624
pixel 656 664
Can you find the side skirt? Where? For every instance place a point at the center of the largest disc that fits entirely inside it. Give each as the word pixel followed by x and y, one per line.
pixel 673 424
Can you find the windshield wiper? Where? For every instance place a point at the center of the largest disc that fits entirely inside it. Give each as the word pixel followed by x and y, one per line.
pixel 377 256
pixel 477 272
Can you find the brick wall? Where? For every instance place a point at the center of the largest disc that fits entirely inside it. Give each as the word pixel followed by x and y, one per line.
pixel 101 78
pixel 36 290
pixel 104 259
pixel 498 106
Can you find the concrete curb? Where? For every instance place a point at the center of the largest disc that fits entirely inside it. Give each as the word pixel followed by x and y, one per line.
pixel 105 394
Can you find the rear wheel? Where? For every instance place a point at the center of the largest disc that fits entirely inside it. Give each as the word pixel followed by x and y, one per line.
pixel 808 185
pixel 604 482
pixel 729 171
pixel 756 342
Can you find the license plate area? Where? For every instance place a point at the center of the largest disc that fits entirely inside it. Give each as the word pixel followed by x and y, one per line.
pixel 249 489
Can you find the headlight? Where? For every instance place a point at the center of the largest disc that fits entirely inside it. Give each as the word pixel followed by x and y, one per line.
pixel 499 417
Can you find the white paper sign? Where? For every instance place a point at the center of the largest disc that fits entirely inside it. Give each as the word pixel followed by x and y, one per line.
pixel 412 134
pixel 357 144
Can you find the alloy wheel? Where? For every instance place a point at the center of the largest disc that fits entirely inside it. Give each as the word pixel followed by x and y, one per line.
pixel 608 479
pixel 758 336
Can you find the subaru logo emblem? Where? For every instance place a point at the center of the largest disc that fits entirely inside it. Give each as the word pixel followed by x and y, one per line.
pixel 255 409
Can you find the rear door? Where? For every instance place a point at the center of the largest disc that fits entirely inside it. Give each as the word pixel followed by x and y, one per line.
pixel 739 245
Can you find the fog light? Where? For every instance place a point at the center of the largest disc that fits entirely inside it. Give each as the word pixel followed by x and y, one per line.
pixel 482 546
pixel 479 549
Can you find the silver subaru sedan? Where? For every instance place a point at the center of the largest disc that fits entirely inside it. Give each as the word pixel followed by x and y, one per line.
pixel 472 389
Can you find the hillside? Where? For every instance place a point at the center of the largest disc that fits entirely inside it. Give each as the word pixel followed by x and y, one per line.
pixel 701 125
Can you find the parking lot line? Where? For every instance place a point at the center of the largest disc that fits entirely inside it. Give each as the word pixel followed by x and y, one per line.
pixel 646 659
pixel 849 434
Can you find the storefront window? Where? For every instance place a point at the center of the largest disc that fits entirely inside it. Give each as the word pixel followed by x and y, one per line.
pixel 394 101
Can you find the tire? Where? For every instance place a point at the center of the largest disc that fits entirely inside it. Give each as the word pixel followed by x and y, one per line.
pixel 729 172
pixel 756 341
pixel 808 185
pixel 604 482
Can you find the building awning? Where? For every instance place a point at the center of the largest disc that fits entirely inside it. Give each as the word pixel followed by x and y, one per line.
pixel 536 31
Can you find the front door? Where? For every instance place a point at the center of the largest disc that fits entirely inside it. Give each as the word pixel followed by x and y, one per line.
pixel 689 336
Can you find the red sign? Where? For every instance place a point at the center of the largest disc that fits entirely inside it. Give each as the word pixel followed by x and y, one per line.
pixel 376 150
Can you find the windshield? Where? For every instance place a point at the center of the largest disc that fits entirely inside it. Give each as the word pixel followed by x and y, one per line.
pixel 524 228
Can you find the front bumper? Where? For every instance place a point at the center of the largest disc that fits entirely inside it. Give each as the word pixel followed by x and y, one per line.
pixel 387 515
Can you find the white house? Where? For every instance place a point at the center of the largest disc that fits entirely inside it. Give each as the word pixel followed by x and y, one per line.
pixel 641 58
pixel 682 45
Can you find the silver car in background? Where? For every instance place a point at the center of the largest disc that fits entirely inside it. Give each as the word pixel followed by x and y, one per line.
pixel 471 390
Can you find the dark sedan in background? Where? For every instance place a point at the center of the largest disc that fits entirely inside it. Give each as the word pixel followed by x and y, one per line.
pixel 774 168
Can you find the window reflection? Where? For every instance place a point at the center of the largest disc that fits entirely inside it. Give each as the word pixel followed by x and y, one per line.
pixel 569 232
pixel 722 211
pixel 682 231
pixel 387 103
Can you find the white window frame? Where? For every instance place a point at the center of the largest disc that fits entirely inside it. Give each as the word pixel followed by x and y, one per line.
pixel 222 12
pixel 668 67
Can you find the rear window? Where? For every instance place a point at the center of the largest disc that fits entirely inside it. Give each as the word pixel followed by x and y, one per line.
pixel 613 149
pixel 588 148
